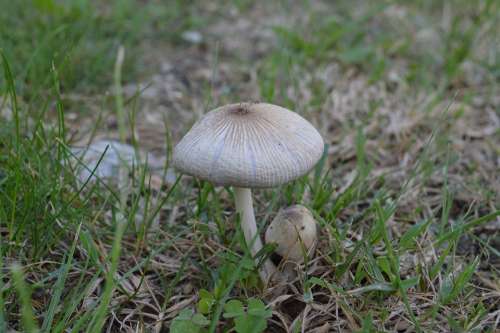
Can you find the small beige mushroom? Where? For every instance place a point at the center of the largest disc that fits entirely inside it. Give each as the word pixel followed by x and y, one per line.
pixel 294 231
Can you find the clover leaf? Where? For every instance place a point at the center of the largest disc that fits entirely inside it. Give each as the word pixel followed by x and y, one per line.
pixel 253 320
pixel 187 322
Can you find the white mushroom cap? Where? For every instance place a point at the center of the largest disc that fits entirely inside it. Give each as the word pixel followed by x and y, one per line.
pixel 249 145
pixel 294 232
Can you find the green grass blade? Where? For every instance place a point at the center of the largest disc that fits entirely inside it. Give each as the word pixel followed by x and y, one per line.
pixel 74 301
pixel 3 319
pixel 11 90
pixel 23 291
pixel 120 112
pixel 409 238
pixel 461 229
pixel 451 290
pixel 102 310
pixel 59 286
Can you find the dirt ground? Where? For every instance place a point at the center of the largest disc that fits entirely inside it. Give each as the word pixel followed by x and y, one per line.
pixel 416 138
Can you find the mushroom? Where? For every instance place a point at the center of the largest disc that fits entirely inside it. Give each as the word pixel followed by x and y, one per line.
pixel 249 145
pixel 294 232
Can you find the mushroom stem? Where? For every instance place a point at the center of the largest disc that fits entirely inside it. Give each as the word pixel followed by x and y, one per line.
pixel 244 206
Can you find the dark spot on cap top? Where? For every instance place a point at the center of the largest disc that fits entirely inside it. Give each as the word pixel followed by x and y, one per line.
pixel 241 109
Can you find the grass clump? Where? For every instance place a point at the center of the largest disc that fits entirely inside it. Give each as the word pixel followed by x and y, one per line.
pixel 81 38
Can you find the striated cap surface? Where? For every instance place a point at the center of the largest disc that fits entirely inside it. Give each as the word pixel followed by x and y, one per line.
pixel 249 145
